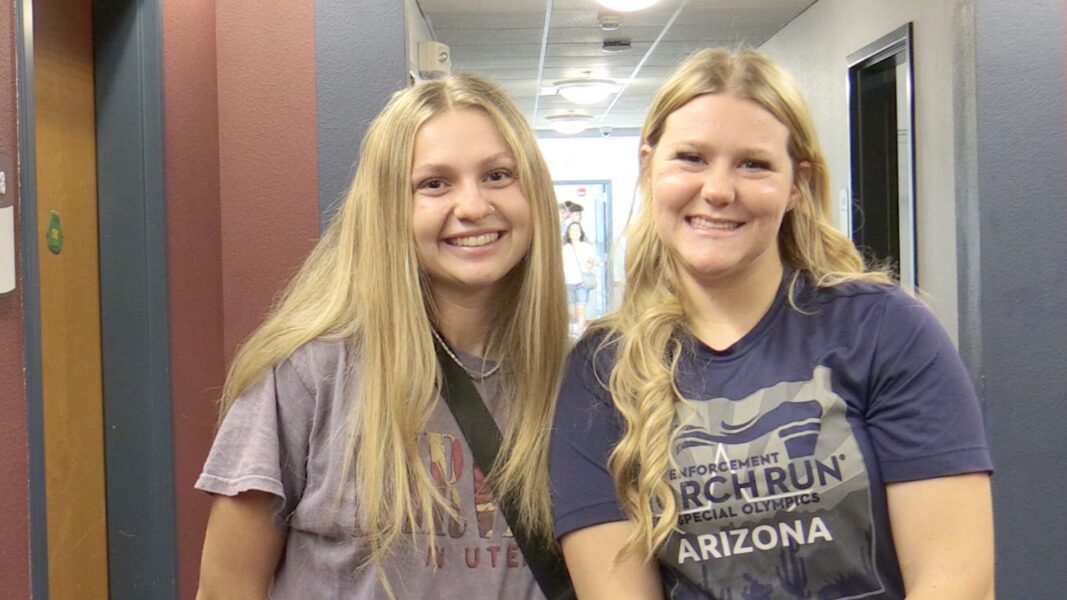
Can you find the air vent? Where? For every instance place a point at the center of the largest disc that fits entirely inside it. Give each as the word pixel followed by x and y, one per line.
pixel 616 46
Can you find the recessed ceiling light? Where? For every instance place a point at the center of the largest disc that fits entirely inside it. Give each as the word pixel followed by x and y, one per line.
pixel 569 123
pixel 585 91
pixel 626 5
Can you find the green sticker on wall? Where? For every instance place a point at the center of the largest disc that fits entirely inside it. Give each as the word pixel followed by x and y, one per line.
pixel 54 233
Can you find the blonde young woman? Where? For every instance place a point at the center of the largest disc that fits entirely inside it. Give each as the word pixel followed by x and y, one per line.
pixel 762 418
pixel 337 471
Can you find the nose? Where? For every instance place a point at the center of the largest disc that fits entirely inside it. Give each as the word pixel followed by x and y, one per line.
pixel 472 203
pixel 718 186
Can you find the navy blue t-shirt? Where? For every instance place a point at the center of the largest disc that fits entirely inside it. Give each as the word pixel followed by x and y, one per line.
pixel 784 443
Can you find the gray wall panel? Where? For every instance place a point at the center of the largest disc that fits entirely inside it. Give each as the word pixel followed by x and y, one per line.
pixel 360 60
pixel 1021 312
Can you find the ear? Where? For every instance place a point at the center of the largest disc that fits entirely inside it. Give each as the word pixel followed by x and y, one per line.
pixel 801 178
pixel 644 153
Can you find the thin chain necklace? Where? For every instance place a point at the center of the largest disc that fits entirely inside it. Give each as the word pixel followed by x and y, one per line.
pixel 475 376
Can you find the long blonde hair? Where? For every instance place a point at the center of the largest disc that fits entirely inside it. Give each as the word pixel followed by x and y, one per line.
pixel 645 333
pixel 363 284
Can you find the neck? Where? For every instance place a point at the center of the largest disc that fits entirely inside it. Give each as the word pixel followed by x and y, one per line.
pixel 721 313
pixel 464 319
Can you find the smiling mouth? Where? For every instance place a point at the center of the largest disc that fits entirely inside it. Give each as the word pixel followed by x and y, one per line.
pixel 719 225
pixel 473 241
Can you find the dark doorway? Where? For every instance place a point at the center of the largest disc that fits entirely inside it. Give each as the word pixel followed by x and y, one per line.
pixel 880 111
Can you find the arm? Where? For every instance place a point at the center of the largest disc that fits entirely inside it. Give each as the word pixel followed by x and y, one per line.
pixel 590 555
pixel 926 425
pixel 590 259
pixel 590 523
pixel 241 548
pixel 943 532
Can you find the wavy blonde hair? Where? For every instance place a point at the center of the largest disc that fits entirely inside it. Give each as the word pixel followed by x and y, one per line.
pixel 646 332
pixel 363 284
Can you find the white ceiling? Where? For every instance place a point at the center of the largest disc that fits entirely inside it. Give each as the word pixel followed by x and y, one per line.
pixel 510 42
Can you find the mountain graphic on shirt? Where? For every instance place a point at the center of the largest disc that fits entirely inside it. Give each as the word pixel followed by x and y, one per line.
pixel 797 424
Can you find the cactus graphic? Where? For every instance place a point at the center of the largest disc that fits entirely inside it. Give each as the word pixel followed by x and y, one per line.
pixel 846 585
pixel 792 573
pixel 754 590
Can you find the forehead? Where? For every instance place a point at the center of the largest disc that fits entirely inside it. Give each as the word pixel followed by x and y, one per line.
pixel 458 133
pixel 724 118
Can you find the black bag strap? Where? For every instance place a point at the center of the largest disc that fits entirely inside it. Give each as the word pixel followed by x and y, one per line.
pixel 483 436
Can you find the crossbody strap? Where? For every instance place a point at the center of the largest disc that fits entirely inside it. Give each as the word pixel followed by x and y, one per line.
pixel 483 436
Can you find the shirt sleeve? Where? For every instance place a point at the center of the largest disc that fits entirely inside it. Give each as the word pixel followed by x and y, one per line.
pixel 262 443
pixel 587 427
pixel 923 415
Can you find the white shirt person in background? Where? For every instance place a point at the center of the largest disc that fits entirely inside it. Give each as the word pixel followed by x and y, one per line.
pixel 579 258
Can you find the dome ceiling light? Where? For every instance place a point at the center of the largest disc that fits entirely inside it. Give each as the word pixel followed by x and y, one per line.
pixel 569 123
pixel 609 21
pixel 585 91
pixel 626 5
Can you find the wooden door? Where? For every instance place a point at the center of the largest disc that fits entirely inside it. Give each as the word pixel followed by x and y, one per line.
pixel 69 299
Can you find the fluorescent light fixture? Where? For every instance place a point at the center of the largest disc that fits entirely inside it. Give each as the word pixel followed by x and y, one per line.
pixel 626 5
pixel 585 91
pixel 569 123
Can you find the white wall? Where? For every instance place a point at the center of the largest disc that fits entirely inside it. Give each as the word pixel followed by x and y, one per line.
pixel 814 47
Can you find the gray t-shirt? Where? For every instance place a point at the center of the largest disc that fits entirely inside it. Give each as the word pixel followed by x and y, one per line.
pixel 285 436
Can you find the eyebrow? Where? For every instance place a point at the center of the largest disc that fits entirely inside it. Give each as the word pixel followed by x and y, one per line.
pixel 504 154
pixel 757 148
pixel 444 166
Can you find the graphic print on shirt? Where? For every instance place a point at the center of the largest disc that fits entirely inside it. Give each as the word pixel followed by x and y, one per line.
pixel 464 485
pixel 773 498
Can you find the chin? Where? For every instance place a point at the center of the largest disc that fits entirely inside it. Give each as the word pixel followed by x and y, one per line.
pixel 478 283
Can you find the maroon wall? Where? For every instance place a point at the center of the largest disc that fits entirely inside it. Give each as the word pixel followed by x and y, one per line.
pixel 267 153
pixel 14 464
pixel 190 103
pixel 242 205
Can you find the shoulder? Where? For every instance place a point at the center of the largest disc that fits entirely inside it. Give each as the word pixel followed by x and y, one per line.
pixel 806 292
pixel 595 350
pixel 317 366
pixel 896 310
pixel 851 301
pixel 902 334
pixel 873 315
pixel 587 372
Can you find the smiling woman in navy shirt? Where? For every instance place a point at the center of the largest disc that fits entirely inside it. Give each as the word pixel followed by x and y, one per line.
pixel 763 417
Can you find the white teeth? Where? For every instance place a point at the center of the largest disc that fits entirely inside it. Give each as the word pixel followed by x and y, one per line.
pixel 475 240
pixel 702 223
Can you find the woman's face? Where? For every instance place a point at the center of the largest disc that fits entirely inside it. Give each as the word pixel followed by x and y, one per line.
pixel 472 222
pixel 721 181
pixel 574 233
